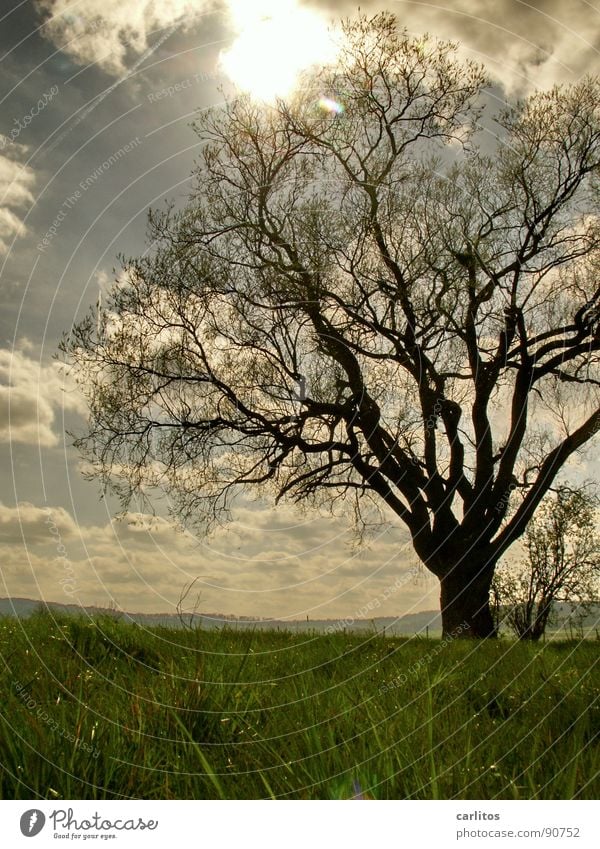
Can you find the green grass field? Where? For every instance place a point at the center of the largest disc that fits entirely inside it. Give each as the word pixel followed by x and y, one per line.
pixel 104 709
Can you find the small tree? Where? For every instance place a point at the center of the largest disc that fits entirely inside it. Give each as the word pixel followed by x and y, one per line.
pixel 562 564
pixel 358 302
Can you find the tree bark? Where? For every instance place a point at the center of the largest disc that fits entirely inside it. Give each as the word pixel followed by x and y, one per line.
pixel 465 603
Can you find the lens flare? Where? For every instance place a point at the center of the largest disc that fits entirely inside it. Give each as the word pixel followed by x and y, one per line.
pixel 332 106
pixel 276 40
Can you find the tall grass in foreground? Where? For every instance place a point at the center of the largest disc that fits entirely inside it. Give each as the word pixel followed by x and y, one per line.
pixel 104 709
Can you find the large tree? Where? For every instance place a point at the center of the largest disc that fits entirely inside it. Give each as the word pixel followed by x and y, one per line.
pixel 368 296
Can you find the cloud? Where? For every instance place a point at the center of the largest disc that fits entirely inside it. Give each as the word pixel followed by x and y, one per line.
pixel 110 32
pixel 32 525
pixel 30 394
pixel 16 182
pixel 143 562
pixel 524 45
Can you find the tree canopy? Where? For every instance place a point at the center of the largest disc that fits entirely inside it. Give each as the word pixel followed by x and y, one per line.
pixel 367 295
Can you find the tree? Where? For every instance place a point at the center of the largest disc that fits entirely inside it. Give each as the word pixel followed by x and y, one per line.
pixel 562 564
pixel 358 302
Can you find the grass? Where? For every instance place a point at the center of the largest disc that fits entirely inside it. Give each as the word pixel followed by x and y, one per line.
pixel 105 709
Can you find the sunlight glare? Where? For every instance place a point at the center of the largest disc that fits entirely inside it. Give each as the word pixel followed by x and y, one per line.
pixel 331 106
pixel 276 40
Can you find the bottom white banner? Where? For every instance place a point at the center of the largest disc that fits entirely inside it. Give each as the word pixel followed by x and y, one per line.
pixel 301 825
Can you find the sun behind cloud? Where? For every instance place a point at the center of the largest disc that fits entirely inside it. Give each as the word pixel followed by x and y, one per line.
pixel 276 40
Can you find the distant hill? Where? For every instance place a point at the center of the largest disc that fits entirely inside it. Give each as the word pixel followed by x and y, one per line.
pixel 424 622
pixel 410 624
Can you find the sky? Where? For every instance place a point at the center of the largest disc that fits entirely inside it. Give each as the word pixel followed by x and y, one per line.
pixel 96 101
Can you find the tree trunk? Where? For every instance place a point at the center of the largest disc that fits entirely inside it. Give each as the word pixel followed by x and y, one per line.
pixel 465 603
pixel 540 620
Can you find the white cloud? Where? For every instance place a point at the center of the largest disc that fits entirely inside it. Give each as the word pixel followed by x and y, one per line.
pixel 16 182
pixel 110 31
pixel 32 525
pixel 10 225
pixel 30 395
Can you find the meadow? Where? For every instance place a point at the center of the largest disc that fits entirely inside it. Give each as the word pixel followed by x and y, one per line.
pixel 103 709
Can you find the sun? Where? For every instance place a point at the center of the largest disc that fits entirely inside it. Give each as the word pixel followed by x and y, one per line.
pixel 276 40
